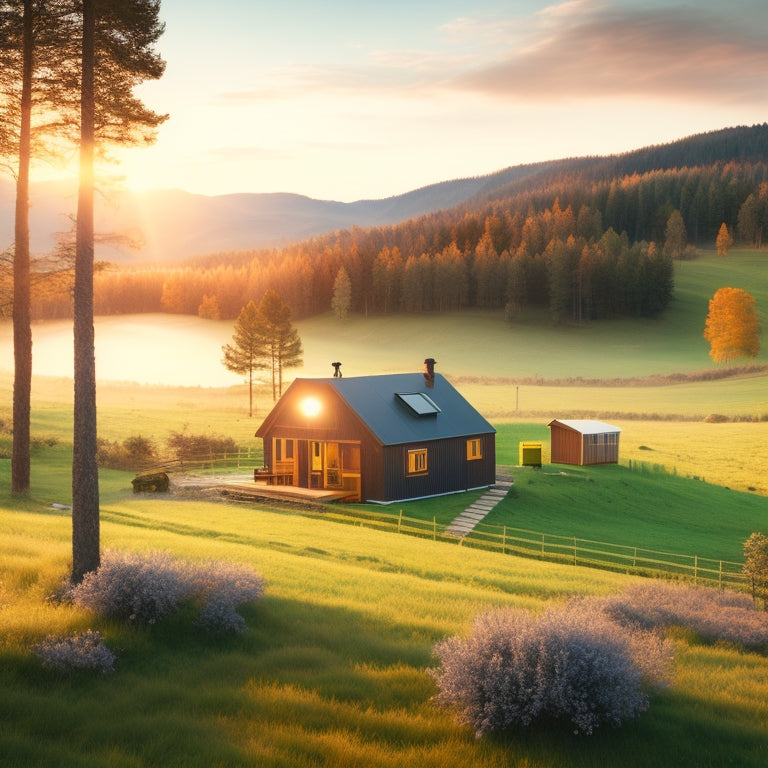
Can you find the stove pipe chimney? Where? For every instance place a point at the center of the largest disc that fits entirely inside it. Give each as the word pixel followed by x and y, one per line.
pixel 429 371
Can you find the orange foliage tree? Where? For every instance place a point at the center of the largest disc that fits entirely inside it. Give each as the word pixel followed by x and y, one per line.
pixel 732 328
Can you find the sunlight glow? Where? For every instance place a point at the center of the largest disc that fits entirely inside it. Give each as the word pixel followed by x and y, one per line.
pixel 310 407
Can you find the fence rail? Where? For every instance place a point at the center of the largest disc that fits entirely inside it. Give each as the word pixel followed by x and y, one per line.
pixel 560 549
pixel 505 539
pixel 241 458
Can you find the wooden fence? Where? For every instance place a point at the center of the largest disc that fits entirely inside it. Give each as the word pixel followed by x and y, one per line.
pixel 504 539
pixel 559 549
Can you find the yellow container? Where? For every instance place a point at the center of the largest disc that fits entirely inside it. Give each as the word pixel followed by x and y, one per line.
pixel 530 454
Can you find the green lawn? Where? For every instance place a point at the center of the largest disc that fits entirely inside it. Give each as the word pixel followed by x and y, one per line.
pixel 333 668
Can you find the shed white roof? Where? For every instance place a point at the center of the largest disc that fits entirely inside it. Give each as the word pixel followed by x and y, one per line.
pixel 586 426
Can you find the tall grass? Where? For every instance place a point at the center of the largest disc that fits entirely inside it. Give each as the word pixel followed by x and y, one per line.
pixel 333 667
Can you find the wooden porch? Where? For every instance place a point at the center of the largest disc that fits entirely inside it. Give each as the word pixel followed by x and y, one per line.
pixel 244 487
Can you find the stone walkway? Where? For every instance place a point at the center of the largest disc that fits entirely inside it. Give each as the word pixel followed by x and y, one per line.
pixel 474 513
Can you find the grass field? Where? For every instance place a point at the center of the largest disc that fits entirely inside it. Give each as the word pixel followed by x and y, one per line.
pixel 333 669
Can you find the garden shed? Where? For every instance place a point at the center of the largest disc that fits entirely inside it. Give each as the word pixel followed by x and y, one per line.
pixel 583 441
pixel 379 438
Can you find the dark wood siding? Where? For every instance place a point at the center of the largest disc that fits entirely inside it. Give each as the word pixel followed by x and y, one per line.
pixel 448 470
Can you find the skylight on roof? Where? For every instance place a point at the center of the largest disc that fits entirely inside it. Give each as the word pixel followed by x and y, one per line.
pixel 419 403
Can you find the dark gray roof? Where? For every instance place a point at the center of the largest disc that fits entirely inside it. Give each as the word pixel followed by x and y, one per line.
pixel 395 420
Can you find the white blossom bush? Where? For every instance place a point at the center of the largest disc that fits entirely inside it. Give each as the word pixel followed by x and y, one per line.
pixel 711 614
pixel 223 587
pixel 80 651
pixel 143 588
pixel 573 664
pixel 135 587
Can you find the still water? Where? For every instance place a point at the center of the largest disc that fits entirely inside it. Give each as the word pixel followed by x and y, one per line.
pixel 174 350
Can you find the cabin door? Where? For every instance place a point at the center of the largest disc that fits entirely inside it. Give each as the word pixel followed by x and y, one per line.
pixel 335 465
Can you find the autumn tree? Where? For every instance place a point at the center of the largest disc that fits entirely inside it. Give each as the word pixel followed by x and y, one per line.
pixel 280 338
pixel 209 308
pixel 675 236
pixel 724 240
pixel 248 352
pixel 342 294
pixel 732 328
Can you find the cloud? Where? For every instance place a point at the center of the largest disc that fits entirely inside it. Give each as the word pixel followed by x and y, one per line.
pixel 609 52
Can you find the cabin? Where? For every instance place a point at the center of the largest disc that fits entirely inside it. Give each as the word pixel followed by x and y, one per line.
pixel 583 442
pixel 380 438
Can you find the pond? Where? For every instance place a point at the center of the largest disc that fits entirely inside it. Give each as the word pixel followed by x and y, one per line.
pixel 174 350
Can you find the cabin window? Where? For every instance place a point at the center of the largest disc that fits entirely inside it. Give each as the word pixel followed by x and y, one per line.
pixel 417 461
pixel 317 457
pixel 474 449
pixel 283 449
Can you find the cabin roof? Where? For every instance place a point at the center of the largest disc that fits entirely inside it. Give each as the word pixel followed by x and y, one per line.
pixel 401 408
pixel 586 426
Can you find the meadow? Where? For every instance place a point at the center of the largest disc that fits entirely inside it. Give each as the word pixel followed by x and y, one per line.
pixel 333 669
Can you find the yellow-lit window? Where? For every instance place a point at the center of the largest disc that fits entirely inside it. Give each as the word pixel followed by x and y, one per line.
pixel 417 461
pixel 474 449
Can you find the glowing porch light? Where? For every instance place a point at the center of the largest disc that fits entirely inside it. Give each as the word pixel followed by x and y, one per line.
pixel 310 407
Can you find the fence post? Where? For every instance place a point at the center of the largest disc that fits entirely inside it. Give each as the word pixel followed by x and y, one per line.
pixel 695 567
pixel 434 529
pixel 542 546
pixel 504 541
pixel 574 550
pixel 399 520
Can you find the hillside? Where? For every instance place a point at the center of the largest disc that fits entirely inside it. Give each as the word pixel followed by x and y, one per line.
pixel 173 225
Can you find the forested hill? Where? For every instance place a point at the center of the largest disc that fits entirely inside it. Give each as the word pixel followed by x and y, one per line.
pixel 587 238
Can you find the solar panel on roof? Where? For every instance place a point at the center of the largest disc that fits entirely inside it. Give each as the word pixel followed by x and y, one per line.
pixel 419 403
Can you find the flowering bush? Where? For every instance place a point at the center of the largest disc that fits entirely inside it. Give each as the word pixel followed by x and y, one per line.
pixel 223 587
pixel 139 588
pixel 144 588
pixel 83 651
pixel 573 664
pixel 711 614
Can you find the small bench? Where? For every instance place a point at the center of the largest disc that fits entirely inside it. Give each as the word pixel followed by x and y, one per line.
pixel 264 474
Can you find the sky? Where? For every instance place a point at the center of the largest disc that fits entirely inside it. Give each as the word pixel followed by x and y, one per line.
pixel 350 99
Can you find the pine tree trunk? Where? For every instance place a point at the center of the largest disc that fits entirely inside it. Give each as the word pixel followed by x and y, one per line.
pixel 22 322
pixel 85 475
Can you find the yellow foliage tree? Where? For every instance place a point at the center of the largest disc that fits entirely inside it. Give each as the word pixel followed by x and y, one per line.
pixel 732 328
pixel 724 240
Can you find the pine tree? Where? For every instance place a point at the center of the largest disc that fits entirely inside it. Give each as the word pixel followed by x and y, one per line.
pixel 249 352
pixel 281 339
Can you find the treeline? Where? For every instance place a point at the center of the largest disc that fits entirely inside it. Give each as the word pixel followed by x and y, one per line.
pixel 584 248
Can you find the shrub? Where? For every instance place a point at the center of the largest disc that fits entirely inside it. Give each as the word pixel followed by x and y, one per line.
pixel 133 587
pixel 188 447
pixel 133 453
pixel 142 588
pixel 81 651
pixel 709 613
pixel 571 664
pixel 223 587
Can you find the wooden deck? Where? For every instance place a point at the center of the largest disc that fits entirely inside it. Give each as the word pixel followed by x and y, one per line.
pixel 243 487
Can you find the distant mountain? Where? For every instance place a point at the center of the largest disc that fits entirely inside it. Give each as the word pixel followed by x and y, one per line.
pixel 174 225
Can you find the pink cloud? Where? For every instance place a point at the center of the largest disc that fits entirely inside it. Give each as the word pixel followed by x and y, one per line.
pixel 663 53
